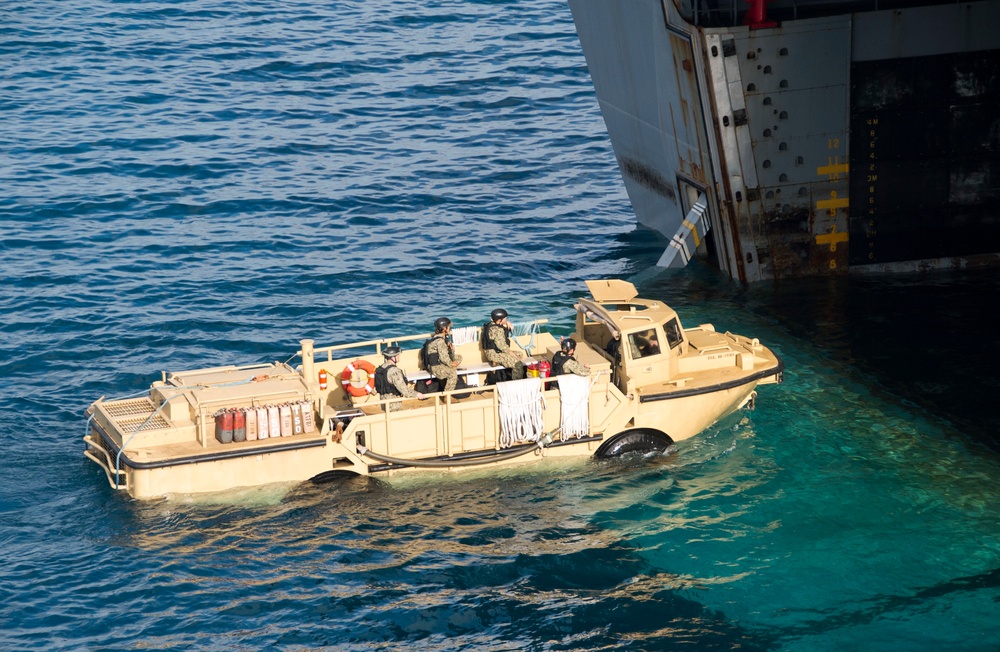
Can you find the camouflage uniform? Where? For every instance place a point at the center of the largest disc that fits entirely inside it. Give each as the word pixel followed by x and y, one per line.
pixel 446 354
pixel 503 357
pixel 567 364
pixel 573 366
pixel 395 377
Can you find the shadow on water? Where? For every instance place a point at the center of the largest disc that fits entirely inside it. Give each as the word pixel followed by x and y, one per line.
pixel 920 337
pixel 513 560
pixel 520 557
pixel 881 606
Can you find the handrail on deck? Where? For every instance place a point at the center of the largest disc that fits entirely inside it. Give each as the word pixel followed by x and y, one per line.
pixel 379 343
pixel 443 400
pixel 308 351
pixel 714 348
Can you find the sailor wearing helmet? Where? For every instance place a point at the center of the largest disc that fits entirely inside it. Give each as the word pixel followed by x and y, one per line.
pixel 565 362
pixel 391 381
pixel 439 355
pixel 496 344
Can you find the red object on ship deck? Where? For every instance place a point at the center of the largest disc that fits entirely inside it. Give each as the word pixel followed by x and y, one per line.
pixel 224 426
pixel 756 16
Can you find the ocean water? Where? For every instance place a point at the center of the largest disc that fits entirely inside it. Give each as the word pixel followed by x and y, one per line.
pixel 199 183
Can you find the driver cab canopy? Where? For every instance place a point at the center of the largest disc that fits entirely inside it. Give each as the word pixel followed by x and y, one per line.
pixel 612 290
pixel 638 328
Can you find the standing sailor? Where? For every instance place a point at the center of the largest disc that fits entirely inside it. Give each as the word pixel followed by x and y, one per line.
pixel 496 344
pixel 563 361
pixel 391 381
pixel 439 355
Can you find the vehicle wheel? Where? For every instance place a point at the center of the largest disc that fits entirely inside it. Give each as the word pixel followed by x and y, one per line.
pixel 639 440
pixel 332 476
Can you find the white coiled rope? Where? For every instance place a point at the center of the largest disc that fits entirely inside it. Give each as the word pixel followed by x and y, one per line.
pixel 464 335
pixel 521 408
pixel 574 394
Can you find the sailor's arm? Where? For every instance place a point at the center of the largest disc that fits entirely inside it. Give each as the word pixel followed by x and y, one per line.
pixel 395 377
pixel 440 346
pixel 573 366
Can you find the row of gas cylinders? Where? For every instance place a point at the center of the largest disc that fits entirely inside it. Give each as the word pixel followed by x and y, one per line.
pixel 253 423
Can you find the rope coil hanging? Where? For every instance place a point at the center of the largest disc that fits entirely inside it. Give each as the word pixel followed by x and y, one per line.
pixel 464 335
pixel 574 394
pixel 521 411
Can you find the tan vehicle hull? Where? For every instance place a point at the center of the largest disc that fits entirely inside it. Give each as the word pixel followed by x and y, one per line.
pixel 170 442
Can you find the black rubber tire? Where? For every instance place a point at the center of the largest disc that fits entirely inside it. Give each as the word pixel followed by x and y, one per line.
pixel 638 440
pixel 333 476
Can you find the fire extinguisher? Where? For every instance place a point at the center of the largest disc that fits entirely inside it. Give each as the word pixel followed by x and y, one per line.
pixel 322 378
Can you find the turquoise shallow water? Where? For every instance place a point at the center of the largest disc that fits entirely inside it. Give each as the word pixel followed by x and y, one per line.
pixel 191 184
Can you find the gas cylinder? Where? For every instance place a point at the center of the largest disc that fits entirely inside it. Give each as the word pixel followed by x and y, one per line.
pixel 262 422
pixel 296 418
pixel 322 378
pixel 544 369
pixel 286 420
pixel 308 422
pixel 273 421
pixel 239 424
pixel 224 426
pixel 251 424
pixel 531 371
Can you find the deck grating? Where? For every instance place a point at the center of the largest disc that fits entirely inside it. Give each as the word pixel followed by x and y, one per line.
pixel 130 407
pixel 133 423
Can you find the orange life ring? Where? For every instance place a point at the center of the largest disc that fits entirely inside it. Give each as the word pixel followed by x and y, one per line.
pixel 367 386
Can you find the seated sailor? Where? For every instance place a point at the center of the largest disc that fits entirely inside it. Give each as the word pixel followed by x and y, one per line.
pixel 390 380
pixel 613 347
pixel 644 344
pixel 439 355
pixel 495 339
pixel 564 362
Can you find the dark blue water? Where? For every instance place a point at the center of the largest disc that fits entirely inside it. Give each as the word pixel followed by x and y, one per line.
pixel 199 183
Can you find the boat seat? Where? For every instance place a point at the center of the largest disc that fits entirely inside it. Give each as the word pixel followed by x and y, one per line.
pixel 462 371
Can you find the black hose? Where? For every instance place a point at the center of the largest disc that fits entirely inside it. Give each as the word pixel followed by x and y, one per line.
pixel 496 457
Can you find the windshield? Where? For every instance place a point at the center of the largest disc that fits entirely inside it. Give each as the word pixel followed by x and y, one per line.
pixel 674 334
pixel 644 343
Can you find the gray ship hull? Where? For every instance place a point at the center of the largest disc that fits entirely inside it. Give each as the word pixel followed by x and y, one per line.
pixel 827 140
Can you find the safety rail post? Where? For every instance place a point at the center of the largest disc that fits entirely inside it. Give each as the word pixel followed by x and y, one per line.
pixel 439 425
pixel 307 360
pixel 106 464
pixel 496 419
pixel 447 425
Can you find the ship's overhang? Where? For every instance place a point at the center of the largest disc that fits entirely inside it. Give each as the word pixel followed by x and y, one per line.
pixel 838 140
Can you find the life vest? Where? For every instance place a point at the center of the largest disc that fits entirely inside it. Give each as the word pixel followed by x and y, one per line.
pixel 558 360
pixel 488 343
pixel 382 384
pixel 430 358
